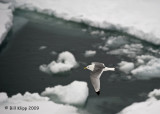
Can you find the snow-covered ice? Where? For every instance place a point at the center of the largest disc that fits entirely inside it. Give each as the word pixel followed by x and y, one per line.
pixel 97 32
pixel 65 62
pixel 6 18
pixel 116 41
pixel 114 44
pixel 150 106
pixel 136 17
pixel 155 93
pixel 144 67
pixel 42 104
pixel 54 53
pixel 42 47
pixel 131 50
pixel 155 51
pixel 89 53
pixel 126 66
pixel 149 70
pixel 75 93
pixel 144 59
pixel 3 97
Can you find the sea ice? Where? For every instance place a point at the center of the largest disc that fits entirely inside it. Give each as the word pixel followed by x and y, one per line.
pixel 89 53
pixel 150 106
pixel 65 62
pixel 149 70
pixel 3 97
pixel 97 32
pixel 155 93
pixel 41 105
pixel 54 53
pixel 6 18
pixel 126 66
pixel 75 93
pixel 136 17
pixel 145 67
pixel 42 47
pixel 116 41
pixel 144 59
pixel 131 50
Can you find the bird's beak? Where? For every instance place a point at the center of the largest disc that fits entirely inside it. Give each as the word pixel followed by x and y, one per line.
pixel 85 67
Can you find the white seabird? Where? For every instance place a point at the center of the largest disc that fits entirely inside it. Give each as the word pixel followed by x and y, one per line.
pixel 97 70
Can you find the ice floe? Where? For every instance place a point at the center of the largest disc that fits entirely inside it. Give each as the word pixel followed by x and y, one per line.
pixel 150 106
pixel 149 70
pixel 6 18
pixel 144 67
pixel 42 47
pixel 126 66
pixel 155 93
pixel 136 17
pixel 75 93
pixel 54 53
pixel 97 32
pixel 129 50
pixel 3 97
pixel 89 53
pixel 144 59
pixel 65 62
pixel 41 105
pixel 115 41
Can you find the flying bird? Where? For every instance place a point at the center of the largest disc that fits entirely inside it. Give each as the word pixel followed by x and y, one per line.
pixel 96 72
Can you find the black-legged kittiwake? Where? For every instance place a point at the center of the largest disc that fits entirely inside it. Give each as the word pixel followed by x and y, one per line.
pixel 96 71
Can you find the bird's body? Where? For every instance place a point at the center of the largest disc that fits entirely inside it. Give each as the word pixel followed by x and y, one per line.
pixel 96 72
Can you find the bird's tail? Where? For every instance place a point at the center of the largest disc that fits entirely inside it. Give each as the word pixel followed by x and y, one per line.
pixel 108 69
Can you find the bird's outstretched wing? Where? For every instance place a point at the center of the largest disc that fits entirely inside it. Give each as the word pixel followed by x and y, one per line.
pixel 95 79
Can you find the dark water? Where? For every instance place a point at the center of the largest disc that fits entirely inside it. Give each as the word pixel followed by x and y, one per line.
pixel 21 57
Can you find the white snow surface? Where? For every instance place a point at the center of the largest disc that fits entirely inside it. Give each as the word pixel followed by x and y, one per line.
pixel 155 93
pixel 126 66
pixel 75 93
pixel 6 18
pixel 97 32
pixel 65 62
pixel 144 59
pixel 149 70
pixel 28 99
pixel 131 50
pixel 150 106
pixel 136 17
pixel 114 42
pixel 146 67
pixel 89 53
pixel 3 97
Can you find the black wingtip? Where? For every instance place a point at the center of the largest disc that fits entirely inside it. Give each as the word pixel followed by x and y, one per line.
pixel 98 93
pixel 116 69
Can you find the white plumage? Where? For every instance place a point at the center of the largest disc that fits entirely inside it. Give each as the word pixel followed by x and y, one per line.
pixel 96 72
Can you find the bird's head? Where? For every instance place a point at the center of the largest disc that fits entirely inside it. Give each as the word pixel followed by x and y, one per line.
pixel 89 67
